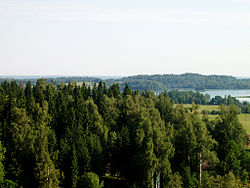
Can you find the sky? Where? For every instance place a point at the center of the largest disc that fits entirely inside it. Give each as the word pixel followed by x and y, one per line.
pixel 124 37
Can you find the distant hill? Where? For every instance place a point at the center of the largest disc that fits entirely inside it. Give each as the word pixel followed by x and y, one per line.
pixel 157 82
pixel 183 81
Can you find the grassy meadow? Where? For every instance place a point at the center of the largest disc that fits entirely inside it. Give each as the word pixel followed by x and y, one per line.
pixel 245 120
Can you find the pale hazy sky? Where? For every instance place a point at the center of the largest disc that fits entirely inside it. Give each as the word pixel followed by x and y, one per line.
pixel 124 37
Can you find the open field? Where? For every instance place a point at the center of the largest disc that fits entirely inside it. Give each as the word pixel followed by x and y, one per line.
pixel 243 118
pixel 204 107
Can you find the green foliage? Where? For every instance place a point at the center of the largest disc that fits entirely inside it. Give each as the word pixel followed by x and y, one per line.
pixel 244 177
pixel 74 168
pixel 231 138
pixel 188 97
pixel 69 135
pixel 159 82
pixel 166 108
pixel 90 180
pixel 45 172
pixel 5 183
pixel 114 90
pixel 2 173
pixel 185 81
pixel 229 181
pixel 175 181
pixel 126 91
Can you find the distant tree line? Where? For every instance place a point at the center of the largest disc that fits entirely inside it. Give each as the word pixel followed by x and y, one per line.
pixel 189 81
pixel 188 97
pixel 66 135
pixel 54 80
pixel 157 83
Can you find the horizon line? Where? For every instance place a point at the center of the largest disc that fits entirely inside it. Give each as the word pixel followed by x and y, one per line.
pixel 110 76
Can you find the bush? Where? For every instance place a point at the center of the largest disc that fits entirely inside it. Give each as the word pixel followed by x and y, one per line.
pixel 89 180
pixel 229 181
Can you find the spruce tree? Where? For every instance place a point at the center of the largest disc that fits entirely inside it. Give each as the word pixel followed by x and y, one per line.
pixel 30 101
pixel 46 173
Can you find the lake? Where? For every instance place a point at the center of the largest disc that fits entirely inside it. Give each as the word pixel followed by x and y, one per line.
pixel 233 93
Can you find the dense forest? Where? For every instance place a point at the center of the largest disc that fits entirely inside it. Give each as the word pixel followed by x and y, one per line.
pixel 186 81
pixel 70 135
pixel 158 83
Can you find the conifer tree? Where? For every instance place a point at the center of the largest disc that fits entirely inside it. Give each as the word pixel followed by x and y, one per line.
pixel 39 91
pixel 4 183
pixel 114 90
pixel 30 101
pixel 97 134
pixel 62 114
pixel 21 101
pixel 74 168
pixel 2 172
pixel 126 91
pixel 85 93
pixel 94 93
pixel 20 148
pixel 166 108
pixel 45 171
pixel 50 98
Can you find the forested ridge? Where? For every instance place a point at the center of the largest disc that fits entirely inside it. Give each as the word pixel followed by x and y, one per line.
pixel 157 82
pixel 184 81
pixel 69 135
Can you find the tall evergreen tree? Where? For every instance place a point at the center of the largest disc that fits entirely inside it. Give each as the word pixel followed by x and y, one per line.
pixel 45 171
pixel 39 91
pixel 30 101
pixel 20 148
pixel 126 90
pixel 114 90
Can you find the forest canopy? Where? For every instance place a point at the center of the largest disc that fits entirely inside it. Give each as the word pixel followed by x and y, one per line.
pixel 71 135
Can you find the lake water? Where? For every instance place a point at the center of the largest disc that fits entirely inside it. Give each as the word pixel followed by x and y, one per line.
pixel 233 93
